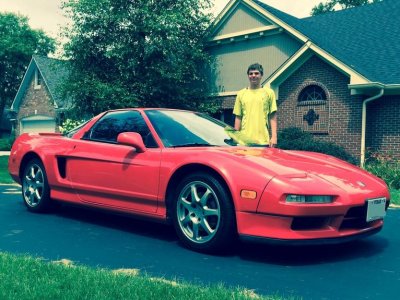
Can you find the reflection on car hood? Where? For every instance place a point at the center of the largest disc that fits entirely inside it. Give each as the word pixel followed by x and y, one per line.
pixel 292 164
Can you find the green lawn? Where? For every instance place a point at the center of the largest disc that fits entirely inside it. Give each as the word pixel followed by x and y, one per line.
pixel 4 175
pixel 25 277
pixel 395 194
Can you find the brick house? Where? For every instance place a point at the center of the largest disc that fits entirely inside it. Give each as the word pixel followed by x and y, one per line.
pixel 335 75
pixel 38 105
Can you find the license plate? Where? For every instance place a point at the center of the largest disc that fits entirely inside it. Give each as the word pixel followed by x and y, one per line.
pixel 376 209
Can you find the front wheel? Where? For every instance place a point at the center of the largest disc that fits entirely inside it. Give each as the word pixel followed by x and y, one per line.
pixel 203 213
pixel 35 188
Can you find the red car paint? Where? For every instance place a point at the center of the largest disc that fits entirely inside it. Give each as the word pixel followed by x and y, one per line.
pixel 117 177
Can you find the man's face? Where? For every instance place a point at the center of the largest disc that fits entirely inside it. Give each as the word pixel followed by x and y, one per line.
pixel 254 78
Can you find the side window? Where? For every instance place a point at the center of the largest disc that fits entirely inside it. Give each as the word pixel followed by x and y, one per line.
pixel 114 123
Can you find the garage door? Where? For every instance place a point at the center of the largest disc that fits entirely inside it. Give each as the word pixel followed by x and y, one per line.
pixel 37 124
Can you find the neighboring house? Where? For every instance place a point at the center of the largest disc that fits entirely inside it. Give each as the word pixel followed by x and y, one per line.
pixel 336 75
pixel 39 105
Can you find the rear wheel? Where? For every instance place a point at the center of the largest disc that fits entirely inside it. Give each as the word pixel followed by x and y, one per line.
pixel 35 188
pixel 203 213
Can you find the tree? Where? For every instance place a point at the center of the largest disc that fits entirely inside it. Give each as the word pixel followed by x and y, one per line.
pixel 331 5
pixel 128 53
pixel 18 43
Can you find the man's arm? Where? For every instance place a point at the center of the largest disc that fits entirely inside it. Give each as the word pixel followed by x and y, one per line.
pixel 238 122
pixel 273 120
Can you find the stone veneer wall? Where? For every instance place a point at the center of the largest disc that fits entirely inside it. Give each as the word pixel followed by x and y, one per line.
pixel 36 101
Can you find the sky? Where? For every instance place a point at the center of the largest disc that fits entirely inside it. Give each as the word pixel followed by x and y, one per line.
pixel 47 15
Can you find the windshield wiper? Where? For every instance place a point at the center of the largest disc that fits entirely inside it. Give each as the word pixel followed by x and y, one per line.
pixel 193 145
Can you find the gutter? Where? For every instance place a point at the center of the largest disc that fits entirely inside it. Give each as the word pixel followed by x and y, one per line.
pixel 364 123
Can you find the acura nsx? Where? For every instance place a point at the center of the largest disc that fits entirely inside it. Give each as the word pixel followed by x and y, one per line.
pixel 188 169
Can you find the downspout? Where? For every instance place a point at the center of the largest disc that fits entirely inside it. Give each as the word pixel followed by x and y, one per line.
pixel 364 123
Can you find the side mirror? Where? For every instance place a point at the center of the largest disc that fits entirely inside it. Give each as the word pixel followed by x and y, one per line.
pixel 133 139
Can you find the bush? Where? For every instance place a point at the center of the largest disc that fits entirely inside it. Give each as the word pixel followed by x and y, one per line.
pixel 69 124
pixel 5 144
pixel 294 138
pixel 385 167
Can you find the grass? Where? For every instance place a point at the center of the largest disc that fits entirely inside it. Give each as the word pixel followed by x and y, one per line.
pixel 395 196
pixel 4 175
pixel 23 277
pixel 5 144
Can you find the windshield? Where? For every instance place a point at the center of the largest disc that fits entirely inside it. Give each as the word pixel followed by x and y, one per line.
pixel 185 129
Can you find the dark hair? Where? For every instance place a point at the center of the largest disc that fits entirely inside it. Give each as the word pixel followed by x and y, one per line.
pixel 257 67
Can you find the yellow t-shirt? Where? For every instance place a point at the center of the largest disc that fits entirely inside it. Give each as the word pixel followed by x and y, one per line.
pixel 255 106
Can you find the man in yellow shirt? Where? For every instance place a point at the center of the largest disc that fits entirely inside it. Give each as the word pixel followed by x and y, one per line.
pixel 255 110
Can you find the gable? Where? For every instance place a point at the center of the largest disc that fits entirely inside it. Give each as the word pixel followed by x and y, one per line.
pixel 53 72
pixel 232 59
pixel 241 18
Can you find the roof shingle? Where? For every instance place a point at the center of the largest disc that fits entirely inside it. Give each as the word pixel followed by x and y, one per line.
pixel 365 38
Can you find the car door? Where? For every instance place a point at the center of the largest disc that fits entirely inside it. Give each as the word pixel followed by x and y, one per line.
pixel 110 175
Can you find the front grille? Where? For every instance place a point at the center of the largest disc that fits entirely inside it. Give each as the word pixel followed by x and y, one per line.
pixel 309 223
pixel 356 218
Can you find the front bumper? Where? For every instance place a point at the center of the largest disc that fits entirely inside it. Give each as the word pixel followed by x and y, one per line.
pixel 303 229
pixel 307 242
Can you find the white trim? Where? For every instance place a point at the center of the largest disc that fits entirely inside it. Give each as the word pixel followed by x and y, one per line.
pixel 37 118
pixel 378 85
pixel 234 3
pixel 364 123
pixel 223 15
pixel 245 32
pixel 355 77
pixel 287 64
pixel 22 88
pixel 276 20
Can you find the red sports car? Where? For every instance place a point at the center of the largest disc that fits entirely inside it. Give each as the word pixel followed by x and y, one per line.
pixel 187 168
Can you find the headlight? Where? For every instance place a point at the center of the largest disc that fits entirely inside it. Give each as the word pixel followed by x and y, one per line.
pixel 309 199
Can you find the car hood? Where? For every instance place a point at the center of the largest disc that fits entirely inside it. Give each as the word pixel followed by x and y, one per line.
pixel 299 164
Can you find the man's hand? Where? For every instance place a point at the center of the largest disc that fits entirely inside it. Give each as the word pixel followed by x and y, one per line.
pixel 273 141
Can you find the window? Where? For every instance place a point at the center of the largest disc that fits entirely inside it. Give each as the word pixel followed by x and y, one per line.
pixel 114 123
pixel 312 93
pixel 38 80
pixel 312 111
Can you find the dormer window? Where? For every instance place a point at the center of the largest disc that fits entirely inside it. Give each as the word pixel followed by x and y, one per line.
pixel 38 80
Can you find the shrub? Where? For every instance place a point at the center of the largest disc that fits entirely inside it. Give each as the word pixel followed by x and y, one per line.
pixel 385 167
pixel 5 144
pixel 69 124
pixel 294 138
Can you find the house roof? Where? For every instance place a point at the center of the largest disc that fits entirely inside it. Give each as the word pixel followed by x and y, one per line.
pixel 53 71
pixel 364 38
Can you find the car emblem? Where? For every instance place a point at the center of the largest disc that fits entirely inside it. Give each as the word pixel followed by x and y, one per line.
pixel 362 184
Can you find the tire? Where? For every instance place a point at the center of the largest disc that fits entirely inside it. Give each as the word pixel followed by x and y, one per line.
pixel 35 187
pixel 203 214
